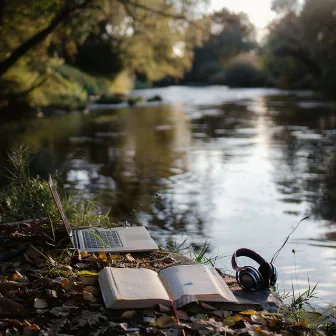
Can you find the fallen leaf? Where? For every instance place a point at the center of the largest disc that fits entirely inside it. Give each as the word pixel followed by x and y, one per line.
pixel 65 283
pixel 40 303
pixel 258 318
pixel 102 255
pixel 249 312
pixel 13 322
pixel 129 257
pixel 150 320
pixel 232 320
pixel 165 320
pixel 7 305
pixel 89 297
pixel 302 324
pixel 8 286
pixel 273 322
pixel 91 289
pixel 182 315
pixel 163 309
pixel 17 276
pixel 127 314
pixel 199 317
pixel 207 306
pixel 84 254
pixel 222 313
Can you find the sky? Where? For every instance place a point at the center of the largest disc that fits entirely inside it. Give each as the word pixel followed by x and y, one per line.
pixel 259 11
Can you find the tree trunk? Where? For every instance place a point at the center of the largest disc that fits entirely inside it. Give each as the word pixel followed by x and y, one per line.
pixel 38 37
pixel 2 8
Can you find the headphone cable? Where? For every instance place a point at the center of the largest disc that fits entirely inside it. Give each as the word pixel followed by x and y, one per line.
pixel 286 240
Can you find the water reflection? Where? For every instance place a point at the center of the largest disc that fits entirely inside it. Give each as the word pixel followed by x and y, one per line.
pixel 239 168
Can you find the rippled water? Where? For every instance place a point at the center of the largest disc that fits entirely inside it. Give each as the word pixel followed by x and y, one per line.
pixel 236 167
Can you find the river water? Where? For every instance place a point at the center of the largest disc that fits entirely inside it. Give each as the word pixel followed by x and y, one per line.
pixel 234 167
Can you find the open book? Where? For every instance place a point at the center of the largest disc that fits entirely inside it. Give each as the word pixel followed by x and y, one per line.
pixel 142 288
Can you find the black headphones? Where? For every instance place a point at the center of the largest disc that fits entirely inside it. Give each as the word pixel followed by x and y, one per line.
pixel 252 279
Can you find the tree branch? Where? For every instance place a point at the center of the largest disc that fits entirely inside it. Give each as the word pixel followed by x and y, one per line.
pixel 59 18
pixel 2 8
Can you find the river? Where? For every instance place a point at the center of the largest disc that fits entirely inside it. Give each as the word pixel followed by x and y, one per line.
pixel 233 167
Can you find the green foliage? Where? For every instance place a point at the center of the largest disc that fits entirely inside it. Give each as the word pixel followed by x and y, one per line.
pixel 231 34
pixel 26 197
pixel 244 71
pixel 300 46
pixel 83 212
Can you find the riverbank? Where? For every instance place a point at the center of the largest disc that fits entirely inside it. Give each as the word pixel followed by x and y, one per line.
pixel 52 290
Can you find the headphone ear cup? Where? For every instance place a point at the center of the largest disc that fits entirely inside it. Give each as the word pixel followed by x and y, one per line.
pixel 274 275
pixel 266 270
pixel 249 278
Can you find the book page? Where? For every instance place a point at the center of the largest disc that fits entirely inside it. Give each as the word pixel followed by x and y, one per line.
pixel 222 286
pixel 137 284
pixel 193 281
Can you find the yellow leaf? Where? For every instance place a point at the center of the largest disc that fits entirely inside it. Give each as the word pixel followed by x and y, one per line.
pixel 249 312
pixel 101 256
pixel 302 324
pixel 84 254
pixel 15 277
pixel 34 327
pixel 258 329
pixel 65 283
pixel 273 322
pixel 237 318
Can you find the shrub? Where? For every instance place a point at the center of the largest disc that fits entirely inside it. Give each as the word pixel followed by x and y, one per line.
pixel 246 71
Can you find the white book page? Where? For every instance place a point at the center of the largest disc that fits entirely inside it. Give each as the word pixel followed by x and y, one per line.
pixel 193 280
pixel 137 284
pixel 222 285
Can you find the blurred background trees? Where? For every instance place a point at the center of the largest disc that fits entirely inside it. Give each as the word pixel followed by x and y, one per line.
pixel 58 52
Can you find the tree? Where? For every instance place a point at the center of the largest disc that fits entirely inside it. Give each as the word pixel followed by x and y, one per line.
pixel 158 25
pixel 230 34
pixel 305 37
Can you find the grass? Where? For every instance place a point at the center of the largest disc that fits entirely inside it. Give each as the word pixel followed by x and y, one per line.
pixel 26 197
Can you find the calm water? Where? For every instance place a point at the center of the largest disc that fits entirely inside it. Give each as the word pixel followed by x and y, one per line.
pixel 238 168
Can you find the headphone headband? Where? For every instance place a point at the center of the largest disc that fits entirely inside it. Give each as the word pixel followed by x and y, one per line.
pixel 244 252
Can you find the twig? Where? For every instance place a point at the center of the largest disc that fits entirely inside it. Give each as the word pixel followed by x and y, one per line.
pixel 26 221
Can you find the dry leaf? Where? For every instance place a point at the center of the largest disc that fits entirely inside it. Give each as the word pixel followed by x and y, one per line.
pixel 91 289
pixel 17 276
pixel 165 320
pixel 232 320
pixel 127 314
pixel 222 313
pixel 7 305
pixel 273 322
pixel 84 254
pixel 163 309
pixel 258 318
pixel 6 286
pixel 65 283
pixel 89 297
pixel 102 255
pixel 182 315
pixel 40 303
pixel 150 320
pixel 207 306
pixel 129 257
pixel 249 312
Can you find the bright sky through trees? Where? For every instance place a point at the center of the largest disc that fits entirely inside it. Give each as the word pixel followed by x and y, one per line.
pixel 259 11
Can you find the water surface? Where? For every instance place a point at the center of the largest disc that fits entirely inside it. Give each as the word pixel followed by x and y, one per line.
pixel 236 167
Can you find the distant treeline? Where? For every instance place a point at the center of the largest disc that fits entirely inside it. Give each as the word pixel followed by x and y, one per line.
pixel 59 53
